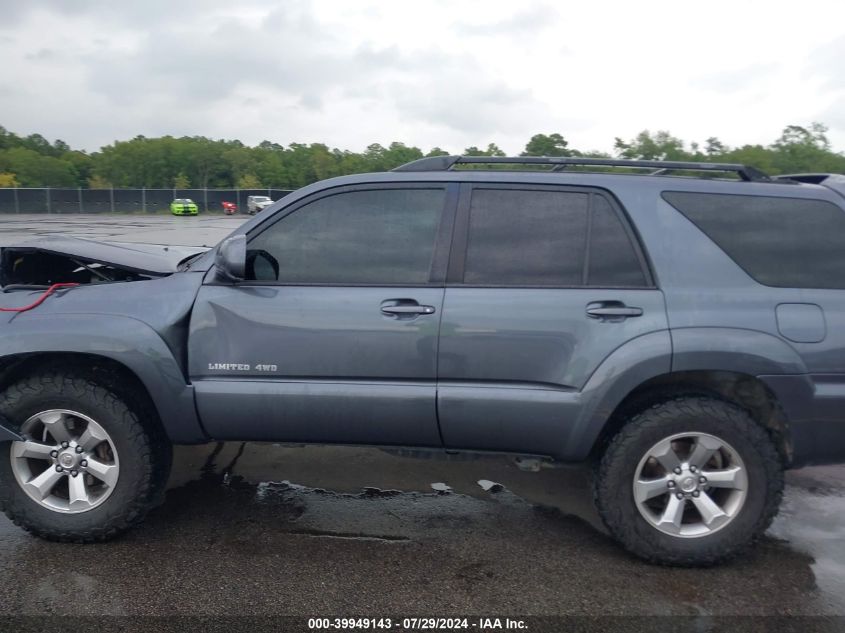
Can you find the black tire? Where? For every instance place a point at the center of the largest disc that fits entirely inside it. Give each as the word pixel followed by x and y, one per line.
pixel 145 455
pixel 613 483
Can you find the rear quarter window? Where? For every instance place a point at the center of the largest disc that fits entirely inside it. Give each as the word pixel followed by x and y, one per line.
pixel 782 242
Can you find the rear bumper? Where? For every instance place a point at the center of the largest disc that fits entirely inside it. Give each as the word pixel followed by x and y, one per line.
pixel 815 409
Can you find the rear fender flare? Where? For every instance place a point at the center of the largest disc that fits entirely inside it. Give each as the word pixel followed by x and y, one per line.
pixel 688 349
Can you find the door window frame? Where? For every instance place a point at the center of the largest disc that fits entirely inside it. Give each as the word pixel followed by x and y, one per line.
pixel 442 240
pixel 460 241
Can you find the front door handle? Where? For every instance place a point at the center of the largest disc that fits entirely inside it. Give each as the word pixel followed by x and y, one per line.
pixel 612 311
pixel 404 307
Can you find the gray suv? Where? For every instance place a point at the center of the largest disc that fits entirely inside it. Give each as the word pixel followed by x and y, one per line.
pixel 680 325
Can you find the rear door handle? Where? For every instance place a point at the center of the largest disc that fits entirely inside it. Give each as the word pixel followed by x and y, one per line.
pixel 612 310
pixel 404 307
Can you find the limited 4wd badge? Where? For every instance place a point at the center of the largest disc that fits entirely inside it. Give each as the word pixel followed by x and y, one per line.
pixel 241 367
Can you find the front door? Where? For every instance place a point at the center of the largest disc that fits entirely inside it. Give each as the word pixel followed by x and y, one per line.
pixel 333 336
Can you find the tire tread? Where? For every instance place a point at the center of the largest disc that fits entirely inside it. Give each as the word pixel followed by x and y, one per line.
pixel 655 417
pixel 144 441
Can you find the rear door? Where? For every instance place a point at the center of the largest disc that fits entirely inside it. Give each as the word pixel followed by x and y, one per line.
pixel 333 336
pixel 544 283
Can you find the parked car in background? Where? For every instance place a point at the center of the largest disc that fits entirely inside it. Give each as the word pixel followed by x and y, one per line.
pixel 254 204
pixel 230 208
pixel 183 206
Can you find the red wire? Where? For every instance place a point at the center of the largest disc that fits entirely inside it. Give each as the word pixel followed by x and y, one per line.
pixel 40 299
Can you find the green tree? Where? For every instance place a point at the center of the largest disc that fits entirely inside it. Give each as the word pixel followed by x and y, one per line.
pixel 801 149
pixel 547 145
pixel 181 181
pixel 492 150
pixel 714 147
pixel 249 181
pixel 98 182
pixel 753 155
pixel 647 146
pixel 36 170
pixel 166 161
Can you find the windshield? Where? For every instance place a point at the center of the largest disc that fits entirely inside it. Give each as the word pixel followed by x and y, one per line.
pixel 260 198
pixel 183 201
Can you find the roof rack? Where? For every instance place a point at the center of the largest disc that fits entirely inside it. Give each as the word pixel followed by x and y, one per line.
pixel 448 163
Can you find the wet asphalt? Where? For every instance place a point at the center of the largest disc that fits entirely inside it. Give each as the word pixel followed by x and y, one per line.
pixel 262 529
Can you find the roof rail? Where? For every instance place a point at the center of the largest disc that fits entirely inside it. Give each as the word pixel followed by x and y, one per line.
pixel 447 163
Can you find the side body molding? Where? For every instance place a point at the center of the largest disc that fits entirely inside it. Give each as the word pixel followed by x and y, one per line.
pixel 125 340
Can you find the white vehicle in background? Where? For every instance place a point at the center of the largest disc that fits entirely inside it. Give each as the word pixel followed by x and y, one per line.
pixel 254 204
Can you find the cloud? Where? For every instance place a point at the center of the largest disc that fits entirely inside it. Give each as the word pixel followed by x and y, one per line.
pixel 434 73
pixel 524 23
pixel 825 62
pixel 466 102
pixel 730 81
pixel 42 55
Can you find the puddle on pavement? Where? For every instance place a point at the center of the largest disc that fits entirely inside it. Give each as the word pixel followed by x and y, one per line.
pixel 812 520
pixel 407 499
pixel 261 528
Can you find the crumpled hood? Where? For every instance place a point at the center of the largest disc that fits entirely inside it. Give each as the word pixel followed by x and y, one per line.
pixel 138 258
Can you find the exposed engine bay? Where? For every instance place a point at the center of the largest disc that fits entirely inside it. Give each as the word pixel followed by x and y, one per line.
pixel 65 260
pixel 37 269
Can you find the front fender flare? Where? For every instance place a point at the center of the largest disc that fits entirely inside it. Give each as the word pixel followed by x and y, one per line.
pixel 128 341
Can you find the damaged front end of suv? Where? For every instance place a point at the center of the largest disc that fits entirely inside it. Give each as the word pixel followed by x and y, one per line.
pixel 119 311
pixel 43 262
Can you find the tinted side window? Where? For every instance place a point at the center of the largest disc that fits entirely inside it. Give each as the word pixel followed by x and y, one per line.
pixel 784 242
pixel 548 238
pixel 613 260
pixel 361 237
pixel 526 238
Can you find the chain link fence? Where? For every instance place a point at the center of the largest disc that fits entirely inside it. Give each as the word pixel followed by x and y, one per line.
pixel 61 200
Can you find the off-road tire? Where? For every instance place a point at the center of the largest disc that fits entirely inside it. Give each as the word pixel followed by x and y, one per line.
pixel 613 480
pixel 145 455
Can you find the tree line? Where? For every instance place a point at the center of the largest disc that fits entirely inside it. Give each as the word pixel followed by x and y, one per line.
pixel 197 161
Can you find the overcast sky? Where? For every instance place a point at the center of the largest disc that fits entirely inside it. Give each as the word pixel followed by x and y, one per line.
pixel 452 74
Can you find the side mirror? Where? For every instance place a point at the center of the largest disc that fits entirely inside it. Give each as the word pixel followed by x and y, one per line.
pixel 230 260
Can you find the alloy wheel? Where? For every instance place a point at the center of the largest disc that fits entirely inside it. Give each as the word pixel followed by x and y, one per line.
pixel 690 485
pixel 67 462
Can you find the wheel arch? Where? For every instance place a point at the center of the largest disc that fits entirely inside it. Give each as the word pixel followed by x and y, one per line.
pixel 741 389
pixel 120 379
pixel 715 361
pixel 128 347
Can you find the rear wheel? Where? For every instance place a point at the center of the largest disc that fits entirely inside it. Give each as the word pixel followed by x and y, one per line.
pixel 91 463
pixel 690 481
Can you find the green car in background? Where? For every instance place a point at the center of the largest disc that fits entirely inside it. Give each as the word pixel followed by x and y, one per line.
pixel 183 206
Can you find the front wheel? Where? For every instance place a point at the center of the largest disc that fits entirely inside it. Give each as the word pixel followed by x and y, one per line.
pixel 691 481
pixel 90 465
